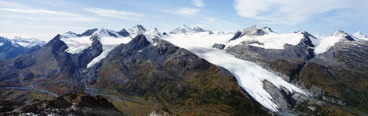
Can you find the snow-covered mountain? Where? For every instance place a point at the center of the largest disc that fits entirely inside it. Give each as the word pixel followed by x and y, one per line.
pixel 27 42
pixel 108 39
pixel 360 36
pixel 135 30
pixel 271 67
pixel 12 47
pixel 201 42
pixel 323 43
pixel 24 42
pixel 184 29
pixel 250 76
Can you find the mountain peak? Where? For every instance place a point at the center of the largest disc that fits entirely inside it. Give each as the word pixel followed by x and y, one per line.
pixel 186 29
pixel 137 29
pixel 254 31
pixel 343 35
pixel 360 36
pixel 198 29
pixel 267 29
pixel 339 33
pixel 154 32
pixel 89 32
pixel 360 33
pixel 138 42
pixel 123 33
pixel 107 32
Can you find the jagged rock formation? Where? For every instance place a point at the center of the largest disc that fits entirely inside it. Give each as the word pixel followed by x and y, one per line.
pixel 69 104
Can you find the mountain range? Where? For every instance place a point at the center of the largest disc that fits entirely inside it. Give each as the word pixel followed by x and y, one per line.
pixel 10 48
pixel 194 71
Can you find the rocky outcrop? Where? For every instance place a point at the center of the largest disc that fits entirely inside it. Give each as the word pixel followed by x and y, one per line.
pixel 69 104
pixel 251 31
pixel 219 46
pixel 279 98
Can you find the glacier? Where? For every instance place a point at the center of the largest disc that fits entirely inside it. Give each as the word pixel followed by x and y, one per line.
pixel 250 76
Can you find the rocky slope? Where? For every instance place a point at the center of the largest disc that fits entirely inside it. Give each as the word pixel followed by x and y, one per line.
pixel 69 104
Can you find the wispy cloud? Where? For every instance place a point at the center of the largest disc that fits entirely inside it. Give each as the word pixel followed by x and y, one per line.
pixel 10 4
pixel 198 3
pixel 115 13
pixel 287 11
pixel 188 11
pixel 210 19
pixel 43 14
pixel 185 11
pixel 35 11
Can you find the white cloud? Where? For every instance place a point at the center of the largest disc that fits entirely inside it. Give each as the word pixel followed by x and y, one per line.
pixel 115 13
pixel 35 11
pixel 289 12
pixel 198 3
pixel 42 14
pixel 184 11
pixel 210 19
pixel 188 11
pixel 10 4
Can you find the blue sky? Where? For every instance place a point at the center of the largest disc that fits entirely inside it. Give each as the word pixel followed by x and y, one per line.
pixel 44 19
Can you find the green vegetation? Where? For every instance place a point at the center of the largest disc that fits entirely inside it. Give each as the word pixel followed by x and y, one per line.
pixel 191 88
pixel 347 86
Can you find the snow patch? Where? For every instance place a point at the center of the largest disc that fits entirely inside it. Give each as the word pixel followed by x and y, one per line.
pixel 77 44
pixel 108 44
pixel 26 42
pixel 323 43
pixel 151 34
pixel 360 36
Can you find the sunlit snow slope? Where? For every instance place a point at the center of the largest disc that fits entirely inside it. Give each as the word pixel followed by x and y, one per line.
pixel 250 76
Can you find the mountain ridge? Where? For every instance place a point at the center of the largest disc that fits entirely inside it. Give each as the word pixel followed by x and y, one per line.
pixel 104 46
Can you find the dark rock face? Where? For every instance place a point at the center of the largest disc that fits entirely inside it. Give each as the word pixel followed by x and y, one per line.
pixel 198 29
pixel 279 98
pixel 300 52
pixel 124 33
pixel 219 46
pixel 89 32
pixel 348 54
